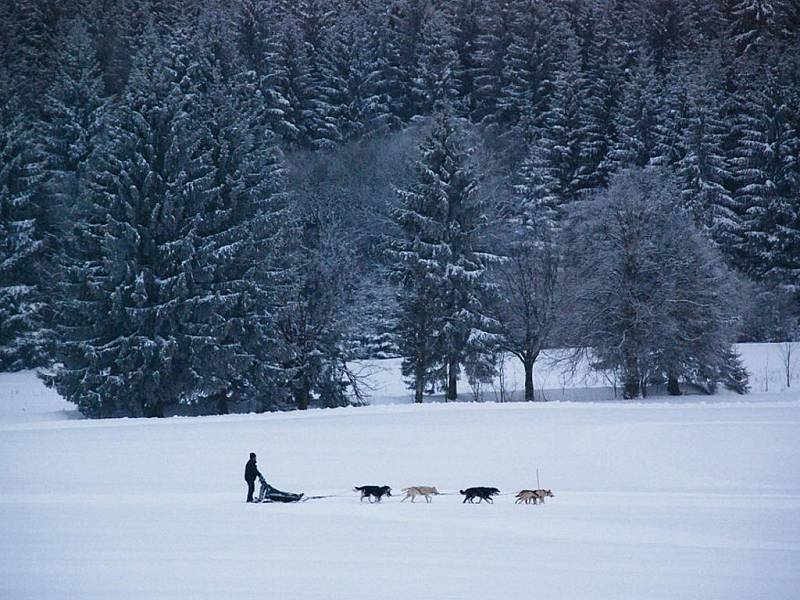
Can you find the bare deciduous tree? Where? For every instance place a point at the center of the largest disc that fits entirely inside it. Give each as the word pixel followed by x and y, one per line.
pixel 527 282
pixel 789 356
pixel 648 295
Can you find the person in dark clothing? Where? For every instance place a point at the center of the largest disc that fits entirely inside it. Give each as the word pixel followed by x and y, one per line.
pixel 250 474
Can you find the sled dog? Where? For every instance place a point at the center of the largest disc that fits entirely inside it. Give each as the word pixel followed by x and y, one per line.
pixel 535 496
pixel 481 493
pixel 420 490
pixel 526 496
pixel 373 491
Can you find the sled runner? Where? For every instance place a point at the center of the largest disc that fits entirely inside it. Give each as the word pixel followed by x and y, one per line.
pixel 267 493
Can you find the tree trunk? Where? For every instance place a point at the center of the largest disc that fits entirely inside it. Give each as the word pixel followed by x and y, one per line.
pixel 452 381
pixel 419 386
pixel 529 393
pixel 788 364
pixel 673 389
pixel 156 410
pixel 222 404
pixel 301 395
pixel 631 385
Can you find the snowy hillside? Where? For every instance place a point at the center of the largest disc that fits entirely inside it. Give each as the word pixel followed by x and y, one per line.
pixel 652 500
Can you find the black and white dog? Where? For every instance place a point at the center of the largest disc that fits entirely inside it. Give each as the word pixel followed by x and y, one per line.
pixel 373 491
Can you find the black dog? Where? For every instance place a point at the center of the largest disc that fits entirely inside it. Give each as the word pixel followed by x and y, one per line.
pixel 373 491
pixel 482 493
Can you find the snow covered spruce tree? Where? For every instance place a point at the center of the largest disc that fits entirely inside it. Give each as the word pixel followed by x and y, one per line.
pixel 386 90
pixel 540 44
pixel 440 266
pixel 22 239
pixel 766 166
pixel 67 133
pixel 344 67
pixel 490 54
pixel 68 127
pixel 554 172
pixel 124 351
pixel 243 239
pixel 158 295
pixel 436 84
pixel 465 18
pixel 648 296
pixel 702 166
pixel 299 80
pixel 636 122
pixel 753 23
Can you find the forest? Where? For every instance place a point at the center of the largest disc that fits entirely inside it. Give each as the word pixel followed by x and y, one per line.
pixel 219 206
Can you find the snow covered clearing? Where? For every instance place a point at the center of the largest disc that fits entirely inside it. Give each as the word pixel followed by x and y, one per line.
pixel 652 500
pixel 766 363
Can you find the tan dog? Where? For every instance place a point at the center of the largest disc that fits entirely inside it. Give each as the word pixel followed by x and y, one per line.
pixel 535 496
pixel 526 496
pixel 420 490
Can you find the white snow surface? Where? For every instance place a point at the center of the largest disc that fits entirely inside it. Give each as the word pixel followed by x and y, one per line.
pixel 691 499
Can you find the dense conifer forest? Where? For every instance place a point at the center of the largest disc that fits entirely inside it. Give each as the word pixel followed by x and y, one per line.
pixel 220 206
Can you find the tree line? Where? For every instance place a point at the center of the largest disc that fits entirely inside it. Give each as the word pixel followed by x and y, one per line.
pixel 215 206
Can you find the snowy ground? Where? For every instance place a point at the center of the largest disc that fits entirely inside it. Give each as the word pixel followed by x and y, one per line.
pixel 766 364
pixel 653 500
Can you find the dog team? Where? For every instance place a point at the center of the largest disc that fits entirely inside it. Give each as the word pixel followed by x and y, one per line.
pixel 470 494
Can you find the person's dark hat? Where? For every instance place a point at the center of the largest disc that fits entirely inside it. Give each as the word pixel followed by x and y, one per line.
pixel 252 455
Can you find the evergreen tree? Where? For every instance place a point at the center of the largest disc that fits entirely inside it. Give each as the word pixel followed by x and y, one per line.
pixel 31 27
pixel 467 19
pixel 309 120
pixel 327 102
pixel 529 63
pixel 313 319
pixel 636 123
pixel 704 20
pixel 554 173
pixel 22 239
pixel 703 167
pixel 666 30
pixel 242 237
pixel 384 91
pixel 345 65
pixel 766 167
pixel 251 24
pixel 491 54
pixel 115 30
pixel 68 127
pixel 606 60
pixel 755 23
pixel 436 84
pixel 259 43
pixel 409 20
pixel 131 341
pixel 444 285
pixel 66 133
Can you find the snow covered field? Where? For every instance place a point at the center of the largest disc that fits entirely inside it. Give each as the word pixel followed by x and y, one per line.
pixel 653 500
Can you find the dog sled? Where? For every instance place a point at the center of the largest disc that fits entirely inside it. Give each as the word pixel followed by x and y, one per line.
pixel 267 493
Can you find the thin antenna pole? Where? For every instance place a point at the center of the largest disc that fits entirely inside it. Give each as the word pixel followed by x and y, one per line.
pixel 537 480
